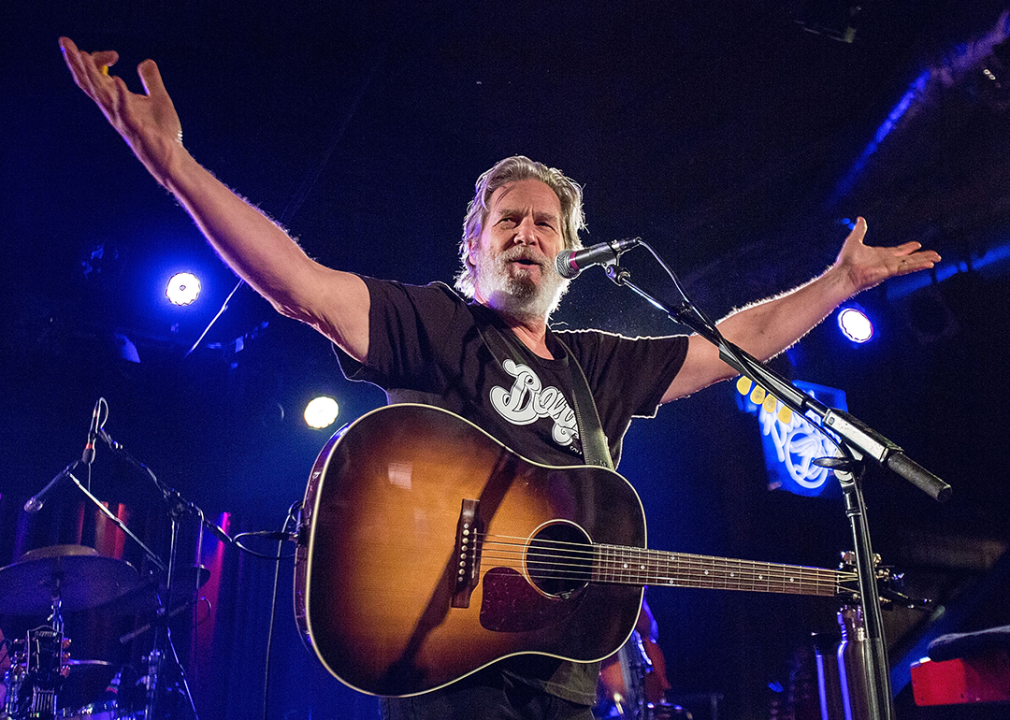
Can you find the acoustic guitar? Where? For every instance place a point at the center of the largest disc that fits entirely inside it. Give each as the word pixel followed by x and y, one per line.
pixel 428 550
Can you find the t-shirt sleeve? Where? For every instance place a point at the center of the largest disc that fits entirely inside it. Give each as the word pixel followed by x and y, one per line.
pixel 627 375
pixel 408 328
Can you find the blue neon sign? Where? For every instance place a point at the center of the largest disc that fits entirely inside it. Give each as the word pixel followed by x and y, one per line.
pixel 790 441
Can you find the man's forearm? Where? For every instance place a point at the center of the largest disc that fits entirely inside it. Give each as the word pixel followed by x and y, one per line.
pixel 767 328
pixel 265 256
pixel 254 246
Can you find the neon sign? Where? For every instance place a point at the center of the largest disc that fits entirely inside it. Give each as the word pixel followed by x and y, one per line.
pixel 790 441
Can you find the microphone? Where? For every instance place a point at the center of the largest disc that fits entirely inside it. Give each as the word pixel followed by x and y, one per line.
pixel 89 448
pixel 569 263
pixel 36 501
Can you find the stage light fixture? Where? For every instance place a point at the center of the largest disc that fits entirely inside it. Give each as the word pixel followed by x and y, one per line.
pixel 855 325
pixel 321 412
pixel 183 289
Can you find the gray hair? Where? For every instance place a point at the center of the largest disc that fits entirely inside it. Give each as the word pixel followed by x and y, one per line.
pixel 513 169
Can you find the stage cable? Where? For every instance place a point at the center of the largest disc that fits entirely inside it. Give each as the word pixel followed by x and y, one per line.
pixel 294 512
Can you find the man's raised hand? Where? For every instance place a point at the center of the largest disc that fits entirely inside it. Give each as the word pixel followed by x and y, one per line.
pixel 148 122
pixel 866 266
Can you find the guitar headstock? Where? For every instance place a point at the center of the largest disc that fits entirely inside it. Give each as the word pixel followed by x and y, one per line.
pixel 890 584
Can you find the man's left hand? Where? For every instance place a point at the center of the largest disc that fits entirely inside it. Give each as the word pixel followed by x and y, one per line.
pixel 865 266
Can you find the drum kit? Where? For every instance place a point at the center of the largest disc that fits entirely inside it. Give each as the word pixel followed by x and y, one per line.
pixel 52 581
pixel 57 579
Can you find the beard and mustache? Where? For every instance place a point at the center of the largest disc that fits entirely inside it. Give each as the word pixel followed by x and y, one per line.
pixel 508 284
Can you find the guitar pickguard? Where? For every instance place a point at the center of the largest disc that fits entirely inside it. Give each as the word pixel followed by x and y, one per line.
pixel 510 604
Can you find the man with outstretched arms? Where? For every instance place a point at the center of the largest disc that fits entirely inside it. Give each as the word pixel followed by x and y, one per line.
pixel 486 350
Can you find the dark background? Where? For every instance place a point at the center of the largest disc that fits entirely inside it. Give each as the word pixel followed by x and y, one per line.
pixel 738 138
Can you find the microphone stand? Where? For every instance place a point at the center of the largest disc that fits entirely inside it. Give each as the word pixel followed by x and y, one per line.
pixel 151 555
pixel 859 443
pixel 162 645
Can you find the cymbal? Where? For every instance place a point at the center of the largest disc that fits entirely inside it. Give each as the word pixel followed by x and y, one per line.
pixel 77 574
pixel 148 594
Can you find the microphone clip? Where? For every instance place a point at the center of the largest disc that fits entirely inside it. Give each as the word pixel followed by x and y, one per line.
pixel 88 456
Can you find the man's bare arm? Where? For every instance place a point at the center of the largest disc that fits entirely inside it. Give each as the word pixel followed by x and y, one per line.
pixel 263 254
pixel 769 327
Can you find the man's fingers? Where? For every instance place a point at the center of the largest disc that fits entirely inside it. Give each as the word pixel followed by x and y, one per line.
pixel 151 77
pixel 905 268
pixel 858 231
pixel 72 56
pixel 119 97
pixel 912 252
pixel 88 69
pixel 917 261
pixel 907 248
pixel 67 45
pixel 105 59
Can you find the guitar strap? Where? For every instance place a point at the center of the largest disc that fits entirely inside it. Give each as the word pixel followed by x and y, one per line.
pixel 595 450
pixel 594 441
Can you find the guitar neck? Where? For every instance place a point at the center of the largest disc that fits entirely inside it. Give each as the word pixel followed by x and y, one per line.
pixel 635 566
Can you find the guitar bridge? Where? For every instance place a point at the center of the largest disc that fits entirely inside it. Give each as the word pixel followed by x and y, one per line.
pixel 466 556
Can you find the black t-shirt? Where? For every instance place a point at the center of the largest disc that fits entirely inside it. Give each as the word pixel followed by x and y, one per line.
pixel 427 345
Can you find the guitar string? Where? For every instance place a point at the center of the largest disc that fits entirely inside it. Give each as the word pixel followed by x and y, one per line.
pixel 622 559
pixel 655 576
pixel 785 584
pixel 624 554
pixel 544 556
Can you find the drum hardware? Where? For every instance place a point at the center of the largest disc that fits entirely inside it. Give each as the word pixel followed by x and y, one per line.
pixel 53 579
pixel 36 674
pixel 145 598
pixel 134 634
pixel 150 680
pixel 163 656
pixel 108 710
pixel 74 577
pixel 116 702
pixel 633 665
pixel 633 683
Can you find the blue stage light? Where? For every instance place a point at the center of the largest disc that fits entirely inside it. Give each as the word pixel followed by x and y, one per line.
pixel 183 288
pixel 855 324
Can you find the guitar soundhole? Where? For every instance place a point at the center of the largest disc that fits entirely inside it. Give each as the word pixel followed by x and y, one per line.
pixel 559 559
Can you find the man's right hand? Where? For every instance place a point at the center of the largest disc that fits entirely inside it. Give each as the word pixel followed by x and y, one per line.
pixel 257 249
pixel 148 122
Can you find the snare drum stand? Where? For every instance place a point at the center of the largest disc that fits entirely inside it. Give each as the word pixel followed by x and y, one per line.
pixel 163 649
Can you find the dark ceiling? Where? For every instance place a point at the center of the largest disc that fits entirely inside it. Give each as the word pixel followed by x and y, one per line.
pixel 736 137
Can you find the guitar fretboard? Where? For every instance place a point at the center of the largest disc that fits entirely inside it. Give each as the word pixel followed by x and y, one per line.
pixel 634 566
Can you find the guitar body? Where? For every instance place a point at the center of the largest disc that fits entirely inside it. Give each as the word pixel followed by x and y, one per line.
pixel 377 590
